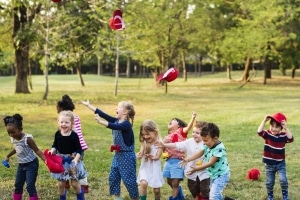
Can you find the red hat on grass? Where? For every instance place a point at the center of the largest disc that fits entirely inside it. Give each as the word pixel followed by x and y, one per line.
pixel 253 174
pixel 278 117
pixel 170 75
pixel 54 162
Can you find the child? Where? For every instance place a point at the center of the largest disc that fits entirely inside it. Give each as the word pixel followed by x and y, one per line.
pixel 124 161
pixel 24 147
pixel 66 103
pixel 150 173
pixel 274 152
pixel 66 144
pixel 177 132
pixel 198 183
pixel 215 161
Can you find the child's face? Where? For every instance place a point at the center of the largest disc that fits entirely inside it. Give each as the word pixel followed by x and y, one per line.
pixel 173 125
pixel 196 134
pixel 149 137
pixel 209 141
pixel 120 111
pixel 13 131
pixel 275 129
pixel 64 124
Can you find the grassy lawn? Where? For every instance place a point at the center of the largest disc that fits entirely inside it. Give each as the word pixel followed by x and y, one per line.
pixel 237 111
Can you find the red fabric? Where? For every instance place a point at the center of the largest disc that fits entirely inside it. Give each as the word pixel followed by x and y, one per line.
pixel 170 75
pixel 54 162
pixel 56 1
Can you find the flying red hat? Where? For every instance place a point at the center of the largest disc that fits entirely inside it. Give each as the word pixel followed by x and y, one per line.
pixel 170 75
pixel 253 174
pixel 54 162
pixel 278 117
pixel 56 1
pixel 116 22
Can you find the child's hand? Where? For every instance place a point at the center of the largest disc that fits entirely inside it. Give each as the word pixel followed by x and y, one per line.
pixel 191 171
pixel 86 103
pixel 139 155
pixel 183 163
pixel 194 114
pixel 97 118
pixel 52 151
pixel 267 118
pixel 159 144
pixel 283 124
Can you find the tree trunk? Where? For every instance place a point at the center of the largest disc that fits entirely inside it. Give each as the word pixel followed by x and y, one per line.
pixel 293 72
pixel 183 67
pixel 128 67
pixel 245 75
pixel 79 74
pixel 229 71
pixel 21 50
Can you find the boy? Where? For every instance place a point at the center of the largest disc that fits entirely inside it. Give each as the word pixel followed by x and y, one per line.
pixel 215 161
pixel 274 152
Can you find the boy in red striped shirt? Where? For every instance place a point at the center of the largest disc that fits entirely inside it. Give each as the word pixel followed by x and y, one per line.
pixel 274 152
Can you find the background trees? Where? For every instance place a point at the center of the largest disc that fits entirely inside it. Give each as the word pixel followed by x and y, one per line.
pixel 158 34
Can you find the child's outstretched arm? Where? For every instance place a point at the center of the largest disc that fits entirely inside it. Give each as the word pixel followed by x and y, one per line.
pixel 262 125
pixel 11 153
pixel 192 157
pixel 211 162
pixel 140 154
pixel 190 124
pixel 87 104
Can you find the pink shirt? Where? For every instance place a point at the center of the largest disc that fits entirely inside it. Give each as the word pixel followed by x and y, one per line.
pixel 176 136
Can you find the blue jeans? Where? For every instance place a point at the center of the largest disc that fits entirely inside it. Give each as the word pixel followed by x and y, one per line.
pixel 27 172
pixel 271 170
pixel 217 186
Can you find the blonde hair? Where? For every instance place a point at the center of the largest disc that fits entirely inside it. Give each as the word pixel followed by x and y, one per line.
pixel 129 107
pixel 200 124
pixel 66 113
pixel 149 126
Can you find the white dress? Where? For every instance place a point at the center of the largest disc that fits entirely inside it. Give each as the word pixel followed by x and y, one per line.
pixel 151 170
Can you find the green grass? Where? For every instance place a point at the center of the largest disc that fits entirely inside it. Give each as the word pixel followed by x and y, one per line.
pixel 237 111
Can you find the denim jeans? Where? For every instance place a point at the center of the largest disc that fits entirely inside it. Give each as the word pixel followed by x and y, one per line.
pixel 27 172
pixel 270 176
pixel 217 186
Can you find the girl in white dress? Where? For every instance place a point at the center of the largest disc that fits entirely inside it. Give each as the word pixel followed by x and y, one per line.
pixel 150 172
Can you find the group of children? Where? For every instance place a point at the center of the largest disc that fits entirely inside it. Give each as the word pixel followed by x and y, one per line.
pixel 202 159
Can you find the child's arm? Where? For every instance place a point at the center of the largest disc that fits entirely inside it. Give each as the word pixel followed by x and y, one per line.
pixel 211 162
pixel 76 159
pixel 262 125
pixel 87 104
pixel 158 154
pixel 287 130
pixel 192 157
pixel 190 124
pixel 34 147
pixel 140 154
pixel 11 153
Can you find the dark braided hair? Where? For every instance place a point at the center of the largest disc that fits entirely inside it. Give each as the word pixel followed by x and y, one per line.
pixel 65 103
pixel 16 119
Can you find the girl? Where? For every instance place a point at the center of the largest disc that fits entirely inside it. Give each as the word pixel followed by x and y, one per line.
pixel 150 169
pixel 66 103
pixel 177 132
pixel 66 144
pixel 124 162
pixel 24 147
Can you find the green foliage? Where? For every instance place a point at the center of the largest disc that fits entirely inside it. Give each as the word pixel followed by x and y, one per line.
pixel 237 112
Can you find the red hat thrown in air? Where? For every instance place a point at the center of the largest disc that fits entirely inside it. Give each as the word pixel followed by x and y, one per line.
pixel 278 117
pixel 170 75
pixel 54 162
pixel 116 22
pixel 253 174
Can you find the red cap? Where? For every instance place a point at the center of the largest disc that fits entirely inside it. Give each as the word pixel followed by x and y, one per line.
pixel 253 174
pixel 170 75
pixel 54 162
pixel 278 117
